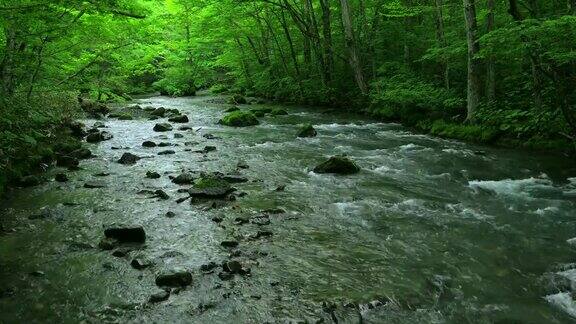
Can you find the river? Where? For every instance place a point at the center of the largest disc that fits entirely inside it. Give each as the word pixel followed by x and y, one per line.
pixel 430 231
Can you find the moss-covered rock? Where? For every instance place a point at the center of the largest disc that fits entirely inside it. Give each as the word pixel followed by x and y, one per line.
pixel 232 109
pixel 307 130
pixel 278 112
pixel 210 186
pixel 237 99
pixel 239 119
pixel 338 165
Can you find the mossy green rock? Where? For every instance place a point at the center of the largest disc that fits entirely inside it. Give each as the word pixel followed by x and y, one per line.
pixel 307 131
pixel 338 165
pixel 278 112
pixel 210 187
pixel 232 109
pixel 239 119
pixel 237 99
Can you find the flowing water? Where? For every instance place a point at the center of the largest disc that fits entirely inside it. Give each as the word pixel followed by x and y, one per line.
pixel 430 231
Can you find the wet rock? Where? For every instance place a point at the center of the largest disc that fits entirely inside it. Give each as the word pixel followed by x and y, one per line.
pixel 77 129
pixel 125 117
pixel 338 165
pixel 209 148
pixel 140 263
pixel 241 220
pixel 37 273
pixel 152 175
pixel 162 127
pixel 161 194
pixel 149 144
pixel 108 244
pixel 229 244
pixel 242 165
pixel 280 188
pixel 210 136
pixel 178 135
pixel 553 283
pixel 170 214
pixel 307 131
pixel 98 137
pixel 210 187
pixel 102 174
pixel 165 144
pixel 262 234
pixel 185 128
pixel 217 219
pixel 66 161
pixel 239 119
pixel 94 185
pixel 158 112
pixel 167 152
pixel 208 267
pixel 278 112
pixel 174 278
pixel 98 125
pixel 181 200
pixel 61 177
pixel 128 159
pixel 184 179
pixel 235 267
pixel 179 119
pixel 43 214
pixel 125 234
pixel 81 153
pixel 160 296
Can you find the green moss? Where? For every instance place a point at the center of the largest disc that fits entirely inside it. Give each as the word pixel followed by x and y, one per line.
pixel 278 112
pixel 237 99
pixel 239 119
pixel 472 133
pixel 208 182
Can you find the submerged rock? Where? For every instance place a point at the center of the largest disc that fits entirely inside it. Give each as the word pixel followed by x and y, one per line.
pixel 161 194
pixel 174 278
pixel 140 263
pixel 307 131
pixel 179 119
pixel 167 152
pixel 229 244
pixel 239 119
pixel 61 177
pixel 162 127
pixel 338 165
pixel 124 234
pixel 66 161
pixel 128 159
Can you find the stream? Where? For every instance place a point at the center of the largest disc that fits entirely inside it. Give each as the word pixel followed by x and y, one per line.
pixel 430 231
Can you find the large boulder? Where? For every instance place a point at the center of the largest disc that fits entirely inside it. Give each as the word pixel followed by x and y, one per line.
pixel 338 165
pixel 162 127
pixel 174 278
pixel 184 179
pixel 239 119
pixel 307 131
pixel 179 119
pixel 211 187
pixel 159 112
pixel 126 234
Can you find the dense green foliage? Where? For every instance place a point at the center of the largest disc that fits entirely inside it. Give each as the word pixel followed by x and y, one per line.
pixel 401 60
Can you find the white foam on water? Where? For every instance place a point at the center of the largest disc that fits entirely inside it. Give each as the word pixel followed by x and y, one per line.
pixel 384 169
pixel 462 152
pixel 564 302
pixel 346 136
pixel 351 125
pixel 466 212
pixel 510 187
pixel 547 210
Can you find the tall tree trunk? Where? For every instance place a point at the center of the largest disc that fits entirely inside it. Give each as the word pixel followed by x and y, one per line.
pixel 290 43
pixel 327 39
pixel 353 57
pixel 490 67
pixel 473 89
pixel 442 41
pixel 6 75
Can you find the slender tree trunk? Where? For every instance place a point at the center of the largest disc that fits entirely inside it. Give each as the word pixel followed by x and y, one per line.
pixel 442 40
pixel 244 63
pixel 473 90
pixel 327 39
pixel 490 67
pixel 6 76
pixel 290 44
pixel 353 57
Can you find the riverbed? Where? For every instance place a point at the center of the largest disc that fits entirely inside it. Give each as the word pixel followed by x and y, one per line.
pixel 430 231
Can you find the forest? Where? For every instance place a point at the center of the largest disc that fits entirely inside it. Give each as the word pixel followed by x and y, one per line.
pixel 448 107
